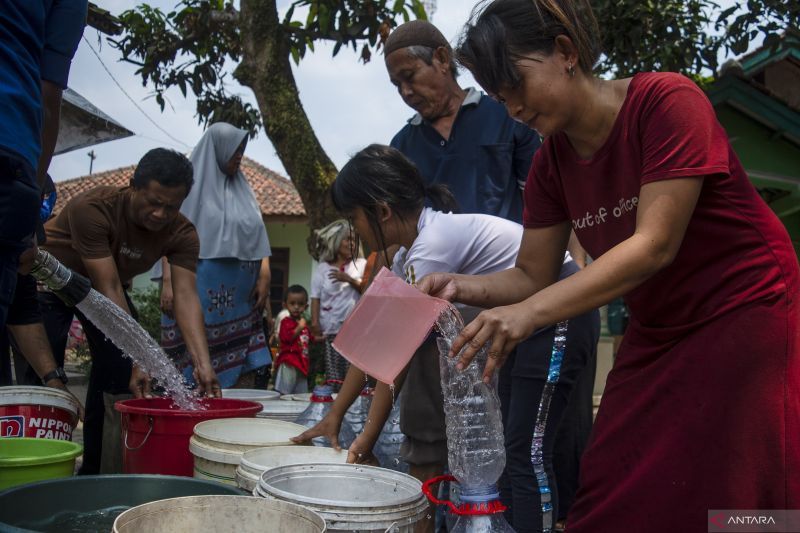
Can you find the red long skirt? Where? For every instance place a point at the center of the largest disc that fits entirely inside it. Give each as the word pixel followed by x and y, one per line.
pixel 694 420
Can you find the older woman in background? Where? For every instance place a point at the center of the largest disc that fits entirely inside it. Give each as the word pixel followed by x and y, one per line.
pixel 334 290
pixel 233 273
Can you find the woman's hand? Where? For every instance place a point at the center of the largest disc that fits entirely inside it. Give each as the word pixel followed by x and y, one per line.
pixel 504 326
pixel 167 298
pixel 340 275
pixel 440 285
pixel 360 452
pixel 260 294
pixel 328 427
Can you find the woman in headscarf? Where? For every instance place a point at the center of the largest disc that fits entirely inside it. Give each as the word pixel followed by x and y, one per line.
pixel 233 273
pixel 334 290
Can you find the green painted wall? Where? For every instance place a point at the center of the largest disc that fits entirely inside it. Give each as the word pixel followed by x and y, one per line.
pixel 293 236
pixel 761 151
pixel 756 145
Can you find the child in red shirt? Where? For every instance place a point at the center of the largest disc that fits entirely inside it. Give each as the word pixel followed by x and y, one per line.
pixel 294 337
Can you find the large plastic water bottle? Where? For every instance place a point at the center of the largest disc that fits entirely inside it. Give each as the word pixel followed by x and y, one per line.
pixel 475 443
pixel 320 405
pixel 387 447
pixel 356 416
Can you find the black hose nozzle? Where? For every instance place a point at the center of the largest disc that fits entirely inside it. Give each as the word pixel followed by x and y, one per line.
pixel 69 286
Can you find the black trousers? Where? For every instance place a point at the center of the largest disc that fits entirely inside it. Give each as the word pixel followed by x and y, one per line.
pixel 111 370
pixel 535 388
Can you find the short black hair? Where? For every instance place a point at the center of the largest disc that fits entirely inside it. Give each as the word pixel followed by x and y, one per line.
pixel 295 289
pixel 167 167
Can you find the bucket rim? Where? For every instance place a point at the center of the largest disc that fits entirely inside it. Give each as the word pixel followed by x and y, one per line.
pixel 282 471
pixel 297 509
pixel 205 437
pixel 249 464
pixel 70 451
pixel 67 400
pixel 36 485
pixel 246 407
pixel 257 394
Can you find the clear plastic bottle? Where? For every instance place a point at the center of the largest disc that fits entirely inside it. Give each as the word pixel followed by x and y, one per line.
pixel 320 405
pixel 387 447
pixel 475 442
pixel 356 416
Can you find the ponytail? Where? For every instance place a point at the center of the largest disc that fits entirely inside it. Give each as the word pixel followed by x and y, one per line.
pixel 441 198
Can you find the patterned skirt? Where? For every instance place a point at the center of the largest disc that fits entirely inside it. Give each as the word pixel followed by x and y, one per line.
pixel 236 340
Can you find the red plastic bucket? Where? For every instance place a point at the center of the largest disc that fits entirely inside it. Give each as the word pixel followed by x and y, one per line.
pixel 37 412
pixel 155 434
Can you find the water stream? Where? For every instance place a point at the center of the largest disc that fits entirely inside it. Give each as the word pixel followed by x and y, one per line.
pixel 123 330
pixel 117 325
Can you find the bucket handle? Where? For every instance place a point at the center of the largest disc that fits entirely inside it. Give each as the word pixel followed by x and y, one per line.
pixel 150 430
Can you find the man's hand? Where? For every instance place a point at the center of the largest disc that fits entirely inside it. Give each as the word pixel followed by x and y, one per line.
pixel 139 383
pixel 360 452
pixel 56 383
pixel 328 427
pixel 207 383
pixel 167 298
pixel 26 260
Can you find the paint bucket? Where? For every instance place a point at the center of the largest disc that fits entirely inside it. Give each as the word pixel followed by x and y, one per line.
pixel 37 412
pixel 256 462
pixel 88 504
pixel 243 514
pixel 349 497
pixel 218 445
pixel 25 460
pixel 155 433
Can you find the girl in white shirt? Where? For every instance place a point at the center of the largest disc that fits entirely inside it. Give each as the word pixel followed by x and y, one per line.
pixel 382 194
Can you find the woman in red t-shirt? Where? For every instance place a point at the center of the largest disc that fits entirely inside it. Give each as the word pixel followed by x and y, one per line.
pixel 701 410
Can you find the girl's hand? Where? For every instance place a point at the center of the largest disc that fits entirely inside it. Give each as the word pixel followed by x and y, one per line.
pixel 440 285
pixel 360 452
pixel 504 326
pixel 328 427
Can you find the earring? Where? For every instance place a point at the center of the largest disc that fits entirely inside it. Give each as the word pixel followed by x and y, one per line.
pixel 571 70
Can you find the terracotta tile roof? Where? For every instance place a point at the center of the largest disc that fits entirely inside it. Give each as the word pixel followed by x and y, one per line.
pixel 275 194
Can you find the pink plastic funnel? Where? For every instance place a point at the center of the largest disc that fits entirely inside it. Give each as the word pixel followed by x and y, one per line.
pixel 387 325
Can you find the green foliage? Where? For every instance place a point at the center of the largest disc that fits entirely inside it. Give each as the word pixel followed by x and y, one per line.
pixel 194 46
pixel 148 306
pixel 673 35
pixel 346 23
pixel 188 48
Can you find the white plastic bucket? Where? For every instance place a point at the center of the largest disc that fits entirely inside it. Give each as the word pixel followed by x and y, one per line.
pixel 349 497
pixel 282 410
pixel 218 445
pixel 303 396
pixel 242 514
pixel 37 412
pixel 253 395
pixel 255 462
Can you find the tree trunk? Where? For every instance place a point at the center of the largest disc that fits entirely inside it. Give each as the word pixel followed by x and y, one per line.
pixel 266 70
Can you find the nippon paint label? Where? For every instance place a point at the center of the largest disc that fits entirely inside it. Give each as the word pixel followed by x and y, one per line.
pixel 36 423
